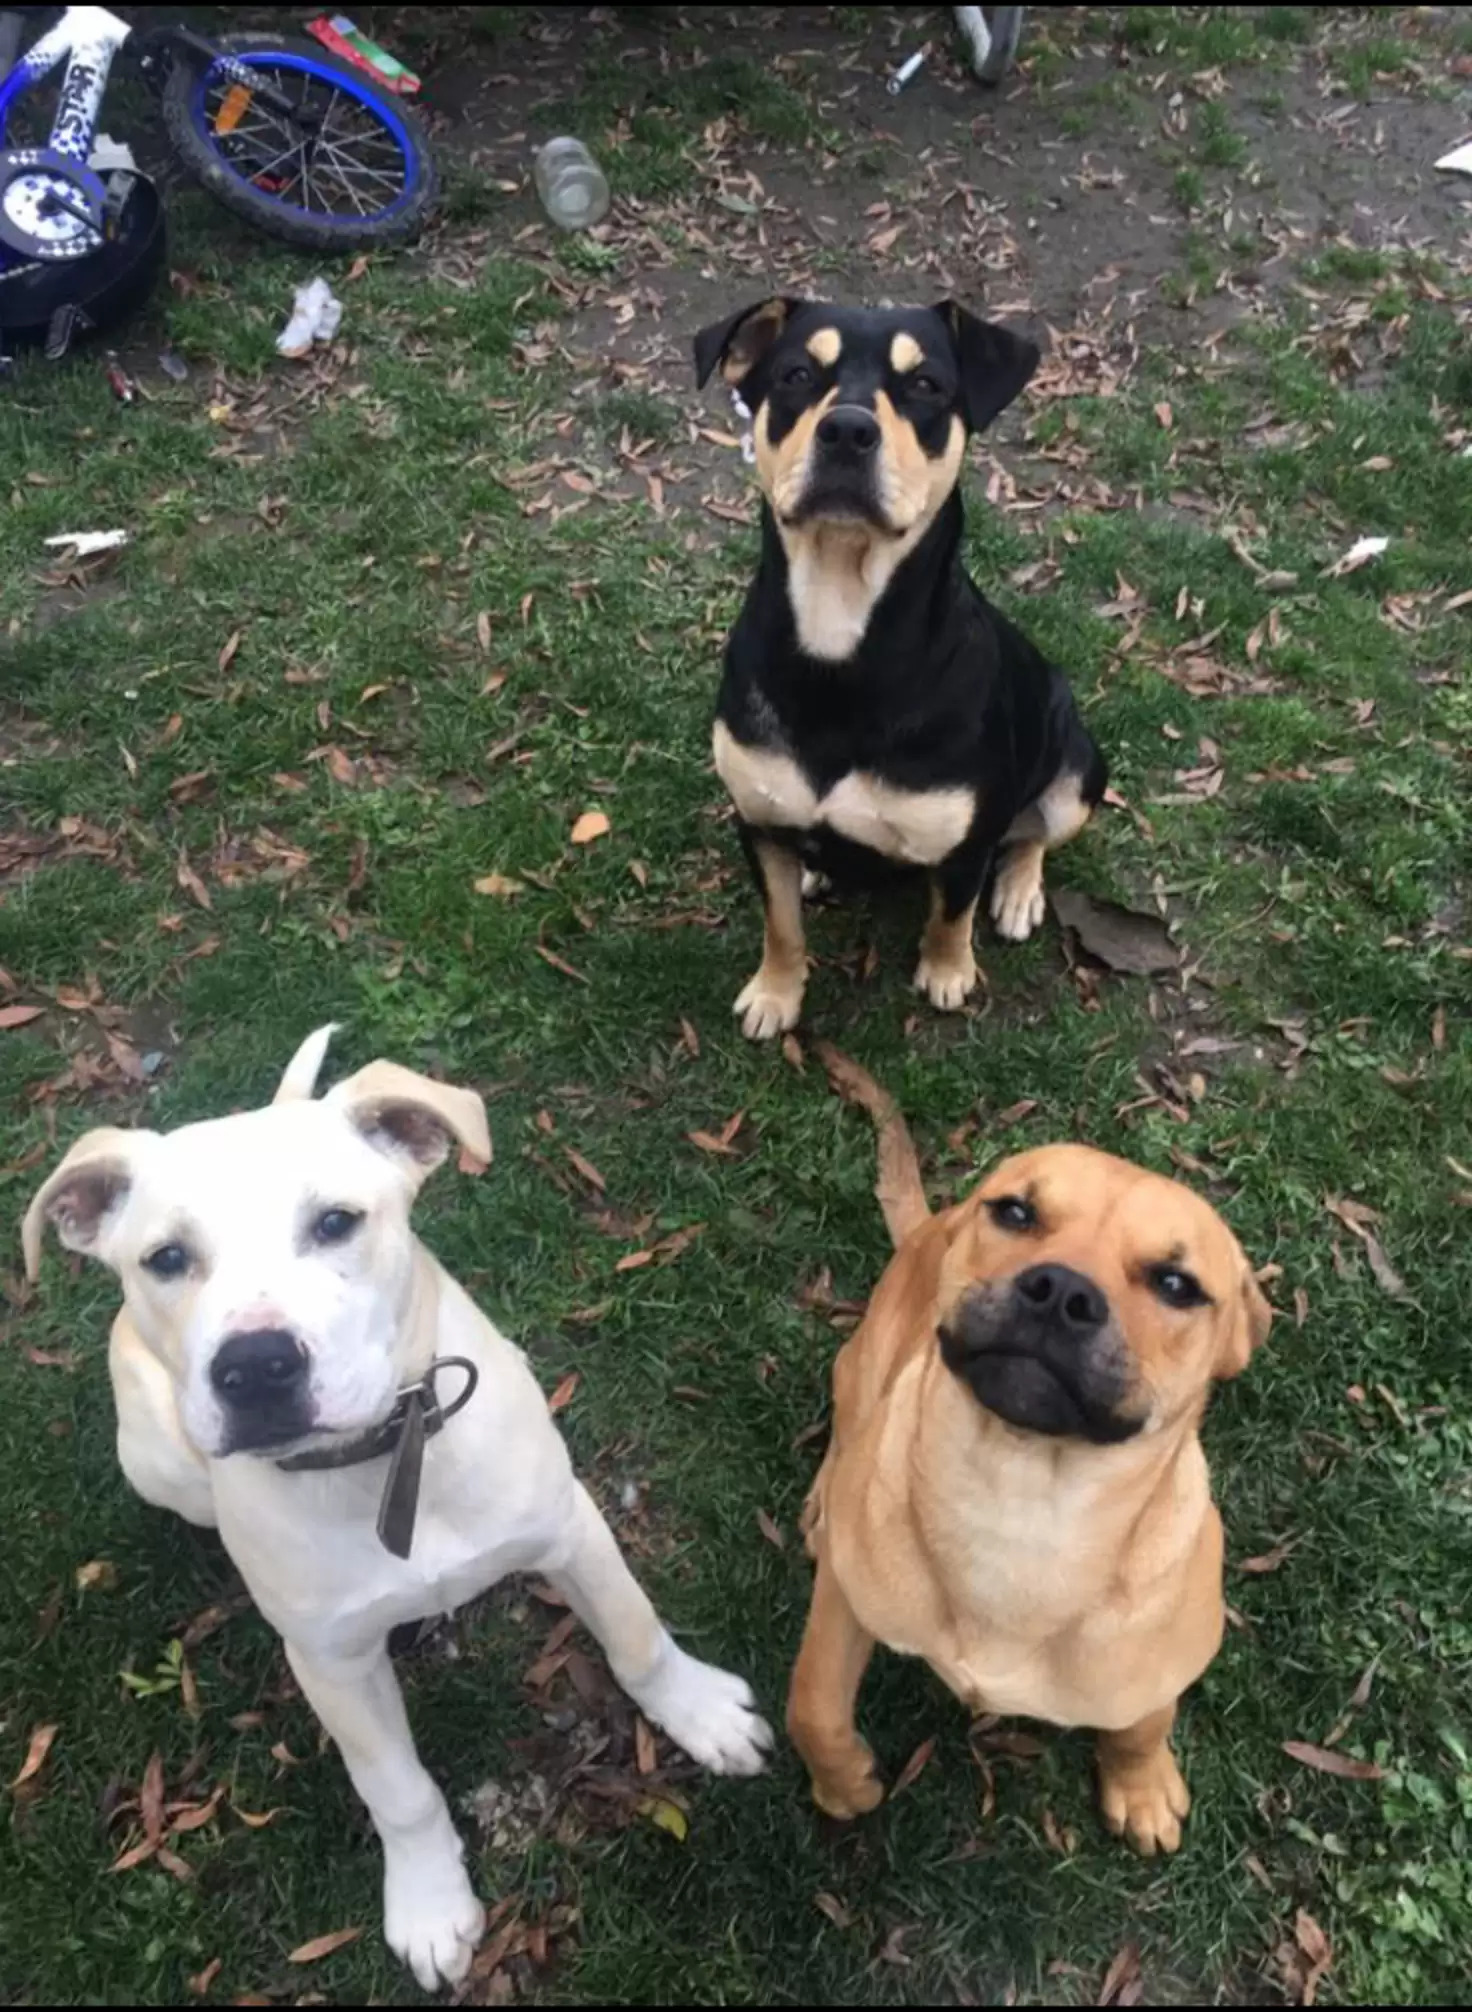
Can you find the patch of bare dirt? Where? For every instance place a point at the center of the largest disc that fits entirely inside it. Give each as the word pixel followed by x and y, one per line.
pixel 1052 201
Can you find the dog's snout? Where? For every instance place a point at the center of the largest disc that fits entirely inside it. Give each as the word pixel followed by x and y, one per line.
pixel 1065 1296
pixel 849 430
pixel 262 1366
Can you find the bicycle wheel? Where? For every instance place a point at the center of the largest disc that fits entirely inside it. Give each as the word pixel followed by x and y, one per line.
pixel 361 175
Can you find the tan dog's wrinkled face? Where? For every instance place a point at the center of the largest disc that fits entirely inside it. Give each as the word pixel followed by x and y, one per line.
pixel 266 1259
pixel 1087 1298
pixel 861 414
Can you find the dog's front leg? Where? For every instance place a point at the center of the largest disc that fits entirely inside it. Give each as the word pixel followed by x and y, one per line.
pixel 822 1699
pixel 772 1000
pixel 947 971
pixel 1141 1790
pixel 707 1711
pixel 431 1917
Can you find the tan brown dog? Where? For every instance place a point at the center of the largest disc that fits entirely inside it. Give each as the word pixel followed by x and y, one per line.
pixel 1015 1489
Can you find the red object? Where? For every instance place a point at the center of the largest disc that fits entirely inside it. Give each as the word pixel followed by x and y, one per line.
pixel 122 385
pixel 401 81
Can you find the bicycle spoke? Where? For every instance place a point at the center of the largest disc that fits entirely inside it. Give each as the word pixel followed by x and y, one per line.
pixel 334 152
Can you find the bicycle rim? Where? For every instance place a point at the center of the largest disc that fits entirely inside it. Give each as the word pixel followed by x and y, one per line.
pixel 359 166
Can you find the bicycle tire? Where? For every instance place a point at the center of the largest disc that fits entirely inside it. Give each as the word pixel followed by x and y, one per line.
pixel 185 121
pixel 1006 33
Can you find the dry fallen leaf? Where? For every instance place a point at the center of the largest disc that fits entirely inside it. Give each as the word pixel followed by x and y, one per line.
pixel 151 1799
pixel 254 1820
pixel 1316 1946
pixel 1357 1217
pixel 182 1821
pixel 36 1752
pixel 99 1574
pixel 1122 1974
pixel 227 654
pixel 708 1142
pixel 19 1016
pixel 138 1854
pixel 1269 1561
pixel 1326 1761
pixel 646 1757
pixel 770 1531
pixel 563 1395
pixel 828 1904
pixel 592 824
pixel 324 1945
pixel 914 1767
pixel 559 963
pixel 1122 938
pixel 190 881
pixel 199 1984
pixel 586 1168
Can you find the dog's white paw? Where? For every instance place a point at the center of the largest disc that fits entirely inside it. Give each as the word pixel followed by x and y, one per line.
pixel 769 1006
pixel 947 983
pixel 1018 903
pixel 431 1918
pixel 708 1712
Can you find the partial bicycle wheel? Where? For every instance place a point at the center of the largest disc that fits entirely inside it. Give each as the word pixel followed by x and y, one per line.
pixel 992 35
pixel 351 170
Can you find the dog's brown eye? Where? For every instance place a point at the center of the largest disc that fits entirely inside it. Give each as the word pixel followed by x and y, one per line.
pixel 1011 1212
pixel 168 1261
pixel 1176 1287
pixel 796 375
pixel 335 1226
pixel 926 386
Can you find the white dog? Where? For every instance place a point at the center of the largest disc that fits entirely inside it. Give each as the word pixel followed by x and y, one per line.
pixel 272 1370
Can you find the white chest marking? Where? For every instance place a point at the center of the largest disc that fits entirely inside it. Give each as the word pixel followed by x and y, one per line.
pixel 918 827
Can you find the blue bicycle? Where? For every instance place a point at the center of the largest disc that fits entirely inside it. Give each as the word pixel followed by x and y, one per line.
pixel 307 148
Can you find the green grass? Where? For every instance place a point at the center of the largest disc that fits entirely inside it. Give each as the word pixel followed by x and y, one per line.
pixel 352 539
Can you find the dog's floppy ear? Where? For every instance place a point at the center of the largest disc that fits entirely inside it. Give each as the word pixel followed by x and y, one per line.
pixel 411 1118
pixel 740 342
pixel 302 1071
pixel 83 1194
pixel 995 363
pixel 1247 1329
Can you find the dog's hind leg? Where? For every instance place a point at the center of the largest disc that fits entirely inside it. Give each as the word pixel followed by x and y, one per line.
pixel 708 1712
pixel 772 1000
pixel 1050 820
pixel 431 1917
pixel 830 1667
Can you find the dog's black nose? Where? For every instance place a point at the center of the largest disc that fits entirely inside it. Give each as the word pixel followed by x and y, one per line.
pixel 262 1366
pixel 849 429
pixel 1065 1296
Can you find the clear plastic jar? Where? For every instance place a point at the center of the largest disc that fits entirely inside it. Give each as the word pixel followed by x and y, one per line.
pixel 572 186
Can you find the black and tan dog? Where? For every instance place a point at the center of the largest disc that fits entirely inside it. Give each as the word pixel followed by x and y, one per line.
pixel 874 705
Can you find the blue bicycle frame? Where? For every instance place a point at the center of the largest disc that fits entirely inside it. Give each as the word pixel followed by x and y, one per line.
pixel 88 38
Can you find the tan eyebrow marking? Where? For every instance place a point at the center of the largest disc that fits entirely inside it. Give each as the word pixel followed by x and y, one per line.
pixel 905 353
pixel 825 346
